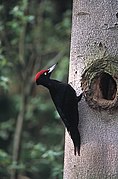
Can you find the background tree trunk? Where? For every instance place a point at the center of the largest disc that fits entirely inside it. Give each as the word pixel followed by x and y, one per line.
pixel 94 23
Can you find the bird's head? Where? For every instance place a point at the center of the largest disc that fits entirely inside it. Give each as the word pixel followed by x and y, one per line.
pixel 42 77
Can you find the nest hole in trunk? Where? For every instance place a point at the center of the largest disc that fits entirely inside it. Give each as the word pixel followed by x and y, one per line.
pixel 105 87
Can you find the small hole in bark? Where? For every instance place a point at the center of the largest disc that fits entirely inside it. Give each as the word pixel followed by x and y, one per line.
pixel 108 86
pixel 117 14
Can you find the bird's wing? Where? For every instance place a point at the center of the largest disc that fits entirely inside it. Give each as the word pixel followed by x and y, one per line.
pixel 63 117
pixel 59 101
pixel 66 102
pixel 70 110
pixel 68 107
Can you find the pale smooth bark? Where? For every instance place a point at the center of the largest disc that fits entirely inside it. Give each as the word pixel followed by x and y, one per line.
pixel 93 22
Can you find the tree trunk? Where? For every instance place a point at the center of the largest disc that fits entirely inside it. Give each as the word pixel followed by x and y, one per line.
pixel 94 34
pixel 18 137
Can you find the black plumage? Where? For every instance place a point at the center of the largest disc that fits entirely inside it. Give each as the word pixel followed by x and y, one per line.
pixel 66 102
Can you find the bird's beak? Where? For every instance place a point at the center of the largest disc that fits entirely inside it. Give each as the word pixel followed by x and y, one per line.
pixel 51 68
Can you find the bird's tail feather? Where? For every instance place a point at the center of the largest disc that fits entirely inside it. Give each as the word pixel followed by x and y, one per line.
pixel 75 136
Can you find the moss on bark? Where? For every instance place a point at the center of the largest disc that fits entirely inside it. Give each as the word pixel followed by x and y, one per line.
pixel 100 83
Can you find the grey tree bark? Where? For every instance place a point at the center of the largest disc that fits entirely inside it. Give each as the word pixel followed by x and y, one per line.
pixel 93 23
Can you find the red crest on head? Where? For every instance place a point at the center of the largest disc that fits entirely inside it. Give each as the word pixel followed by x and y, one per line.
pixel 40 73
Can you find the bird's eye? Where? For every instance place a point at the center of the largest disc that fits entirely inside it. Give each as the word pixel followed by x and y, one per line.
pixel 45 73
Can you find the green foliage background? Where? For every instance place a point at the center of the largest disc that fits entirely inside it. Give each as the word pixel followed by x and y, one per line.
pixel 33 34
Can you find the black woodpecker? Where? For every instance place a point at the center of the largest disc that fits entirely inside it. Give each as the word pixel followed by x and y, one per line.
pixel 66 102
